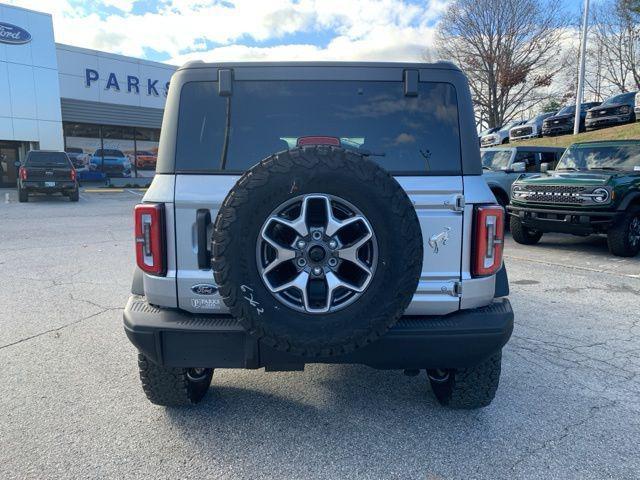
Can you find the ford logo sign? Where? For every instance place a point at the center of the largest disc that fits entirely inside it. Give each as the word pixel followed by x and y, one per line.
pixel 13 35
pixel 204 289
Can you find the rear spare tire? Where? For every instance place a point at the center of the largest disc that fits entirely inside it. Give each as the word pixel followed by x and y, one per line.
pixel 317 251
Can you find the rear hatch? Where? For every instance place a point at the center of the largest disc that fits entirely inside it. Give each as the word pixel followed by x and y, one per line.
pixel 48 167
pixel 414 135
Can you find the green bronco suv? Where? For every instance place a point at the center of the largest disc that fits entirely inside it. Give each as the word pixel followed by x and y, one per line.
pixel 595 188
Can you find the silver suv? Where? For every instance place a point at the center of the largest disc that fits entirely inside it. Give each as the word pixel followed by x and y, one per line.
pixel 319 213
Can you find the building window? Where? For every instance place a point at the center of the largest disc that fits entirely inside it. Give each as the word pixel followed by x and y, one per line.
pixel 107 151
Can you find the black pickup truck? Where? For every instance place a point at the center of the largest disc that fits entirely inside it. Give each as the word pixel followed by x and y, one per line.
pixel 47 172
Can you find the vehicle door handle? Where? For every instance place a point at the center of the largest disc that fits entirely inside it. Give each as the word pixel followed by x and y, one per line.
pixel 203 220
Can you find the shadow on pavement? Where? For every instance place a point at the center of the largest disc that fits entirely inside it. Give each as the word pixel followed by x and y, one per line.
pixel 347 405
pixel 590 244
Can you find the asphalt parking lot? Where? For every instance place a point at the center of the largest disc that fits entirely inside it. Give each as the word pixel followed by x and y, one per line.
pixel 72 406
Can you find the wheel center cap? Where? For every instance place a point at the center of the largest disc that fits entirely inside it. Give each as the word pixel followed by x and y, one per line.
pixel 317 253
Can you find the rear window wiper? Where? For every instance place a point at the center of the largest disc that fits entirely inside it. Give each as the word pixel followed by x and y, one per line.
pixel 368 153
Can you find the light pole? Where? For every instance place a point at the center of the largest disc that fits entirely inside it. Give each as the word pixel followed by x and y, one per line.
pixel 583 54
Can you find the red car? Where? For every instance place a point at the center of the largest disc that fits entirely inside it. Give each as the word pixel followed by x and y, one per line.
pixel 146 159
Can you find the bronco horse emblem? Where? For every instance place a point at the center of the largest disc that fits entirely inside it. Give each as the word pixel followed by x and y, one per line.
pixel 439 239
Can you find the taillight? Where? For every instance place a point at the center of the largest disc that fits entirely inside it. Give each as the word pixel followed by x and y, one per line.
pixel 74 175
pixel 150 239
pixel 488 240
pixel 23 173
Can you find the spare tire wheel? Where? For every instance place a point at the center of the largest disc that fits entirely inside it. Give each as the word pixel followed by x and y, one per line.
pixel 317 251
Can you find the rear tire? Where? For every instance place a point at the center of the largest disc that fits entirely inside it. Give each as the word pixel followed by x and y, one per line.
pixel 523 235
pixel 173 387
pixel 75 195
pixel 623 239
pixel 23 196
pixel 467 388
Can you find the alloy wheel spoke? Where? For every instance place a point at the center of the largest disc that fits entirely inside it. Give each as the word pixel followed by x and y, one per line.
pixel 334 282
pixel 283 254
pixel 350 253
pixel 299 282
pixel 299 224
pixel 333 224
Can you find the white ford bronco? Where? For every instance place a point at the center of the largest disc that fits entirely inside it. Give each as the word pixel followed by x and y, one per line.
pixel 319 213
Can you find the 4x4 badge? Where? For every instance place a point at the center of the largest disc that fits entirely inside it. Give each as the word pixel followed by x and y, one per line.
pixel 439 239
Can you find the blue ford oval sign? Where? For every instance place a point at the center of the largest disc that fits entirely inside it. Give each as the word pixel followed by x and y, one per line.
pixel 13 34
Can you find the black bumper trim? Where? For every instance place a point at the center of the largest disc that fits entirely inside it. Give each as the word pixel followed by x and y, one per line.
pixel 178 339
pixel 40 187
pixel 591 213
pixel 581 222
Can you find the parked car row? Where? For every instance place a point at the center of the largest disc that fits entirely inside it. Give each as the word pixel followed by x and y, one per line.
pixel 616 110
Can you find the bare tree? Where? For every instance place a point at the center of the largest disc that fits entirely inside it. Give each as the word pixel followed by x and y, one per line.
pixel 616 34
pixel 594 78
pixel 509 49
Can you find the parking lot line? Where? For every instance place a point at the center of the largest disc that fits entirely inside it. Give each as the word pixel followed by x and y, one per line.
pixel 577 267
pixel 103 190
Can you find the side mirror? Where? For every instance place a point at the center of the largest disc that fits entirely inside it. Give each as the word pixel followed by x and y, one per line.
pixel 544 167
pixel 17 164
pixel 518 167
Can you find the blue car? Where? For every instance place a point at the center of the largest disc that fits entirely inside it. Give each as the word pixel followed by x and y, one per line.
pixel 111 162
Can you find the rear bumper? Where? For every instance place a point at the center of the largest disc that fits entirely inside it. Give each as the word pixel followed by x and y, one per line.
pixel 178 339
pixel 40 186
pixel 580 222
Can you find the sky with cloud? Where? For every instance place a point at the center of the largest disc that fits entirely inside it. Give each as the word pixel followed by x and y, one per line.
pixel 175 31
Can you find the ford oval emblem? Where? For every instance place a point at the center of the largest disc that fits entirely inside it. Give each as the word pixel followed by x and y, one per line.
pixel 204 289
pixel 13 34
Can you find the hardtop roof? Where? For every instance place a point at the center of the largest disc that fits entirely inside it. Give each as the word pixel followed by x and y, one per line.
pixel 441 65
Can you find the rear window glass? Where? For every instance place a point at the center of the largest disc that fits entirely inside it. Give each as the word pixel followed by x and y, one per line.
pixel 47 158
pixel 403 134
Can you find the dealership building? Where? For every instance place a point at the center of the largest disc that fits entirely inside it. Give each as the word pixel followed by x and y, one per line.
pixel 105 110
